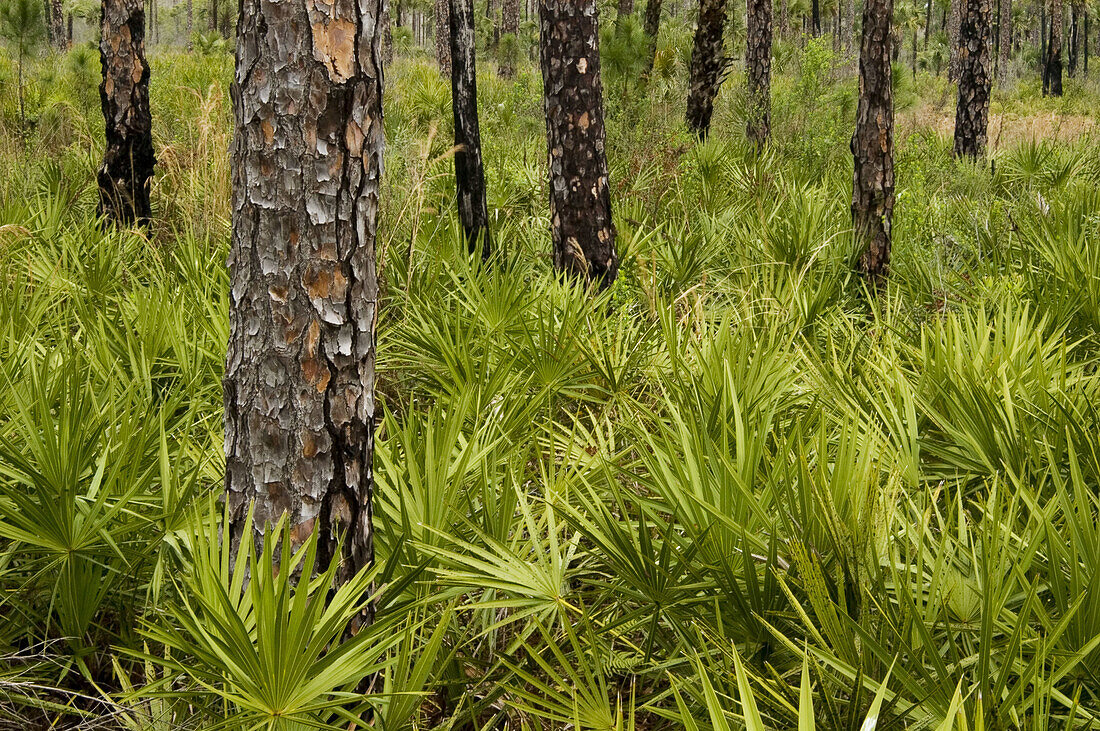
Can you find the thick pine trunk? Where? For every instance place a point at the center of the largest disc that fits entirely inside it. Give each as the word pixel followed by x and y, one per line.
pixel 124 96
pixel 652 25
pixel 873 144
pixel 758 63
pixel 953 23
pixel 443 36
pixel 510 27
pixel 299 377
pixel 473 211
pixel 815 17
pixel 708 65
pixel 625 8
pixel 975 78
pixel 1052 68
pixel 581 229
pixel 1004 49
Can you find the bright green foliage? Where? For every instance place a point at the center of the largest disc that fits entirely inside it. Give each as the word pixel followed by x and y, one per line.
pixel 730 492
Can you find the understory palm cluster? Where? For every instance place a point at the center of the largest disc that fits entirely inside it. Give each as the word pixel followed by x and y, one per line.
pixel 732 491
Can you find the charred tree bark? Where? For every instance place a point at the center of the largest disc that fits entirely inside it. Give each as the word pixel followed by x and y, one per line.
pixel 581 229
pixel 473 211
pixel 1004 50
pixel 57 26
pixel 124 96
pixel 873 144
pixel 708 65
pixel 815 18
pixel 652 26
pixel 1052 68
pixel 975 78
pixel 443 36
pixel 758 65
pixel 299 377
pixel 1074 44
pixel 510 27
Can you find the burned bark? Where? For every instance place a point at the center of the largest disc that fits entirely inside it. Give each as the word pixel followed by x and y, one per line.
pixel 1074 45
pixel 873 144
pixel 815 18
pixel 975 78
pixel 652 26
pixel 443 36
pixel 581 229
pixel 57 26
pixel 708 66
pixel 128 158
pixel 299 377
pixel 758 64
pixel 1052 68
pixel 473 211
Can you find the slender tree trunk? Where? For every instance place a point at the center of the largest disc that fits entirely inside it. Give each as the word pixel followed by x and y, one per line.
pixel 1005 42
pixel 1052 70
pixel 443 36
pixel 47 16
pixel 708 65
pixel 848 26
pixel 299 377
pixel 510 27
pixel 652 29
pixel 387 34
pixel 473 211
pixel 625 9
pixel 1086 45
pixel 190 24
pixel 758 65
pixel 815 17
pixel 953 39
pixel 975 78
pixel 927 24
pixel 581 228
pixel 57 26
pixel 124 95
pixel 1043 38
pixel 873 144
pixel 1074 41
pixel 213 16
pixel 784 18
pixel 69 30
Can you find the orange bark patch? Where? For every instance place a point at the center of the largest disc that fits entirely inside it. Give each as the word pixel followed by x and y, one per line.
pixel 334 46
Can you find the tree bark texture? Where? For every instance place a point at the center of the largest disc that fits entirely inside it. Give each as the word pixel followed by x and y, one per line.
pixel 443 36
pixel 1004 51
pixel 124 97
pixel 975 78
pixel 299 377
pixel 652 27
pixel 873 144
pixel 708 65
pixel 954 20
pixel 213 16
pixel 625 8
pixel 57 26
pixel 1052 68
pixel 581 228
pixel 758 65
pixel 847 27
pixel 815 18
pixel 473 211
pixel 387 34
pixel 1074 45
pixel 510 27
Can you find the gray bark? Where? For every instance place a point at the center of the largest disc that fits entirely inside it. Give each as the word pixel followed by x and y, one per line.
pixel 975 78
pixel 758 64
pixel 1005 42
pixel 473 210
pixel 953 22
pixel 652 26
pixel 299 377
pixel 581 229
pixel 873 144
pixel 510 27
pixel 443 36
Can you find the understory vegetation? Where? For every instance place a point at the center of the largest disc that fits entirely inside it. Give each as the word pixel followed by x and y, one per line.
pixel 731 491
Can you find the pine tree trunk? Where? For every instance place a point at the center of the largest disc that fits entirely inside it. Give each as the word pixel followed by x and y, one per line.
pixel 510 28
pixel 1005 43
pixel 190 24
pixel 758 63
pixel 954 21
pixel 848 27
pixel 975 78
pixel 47 15
pixel 652 29
pixel 69 33
pixel 1086 43
pixel 708 65
pixel 213 16
pixel 443 36
pixel 299 377
pixel 873 144
pixel 626 8
pixel 1052 69
pixel 57 26
pixel 387 34
pixel 784 18
pixel 581 228
pixel 124 96
pixel 473 211
pixel 1074 42
pixel 927 23
pixel 815 18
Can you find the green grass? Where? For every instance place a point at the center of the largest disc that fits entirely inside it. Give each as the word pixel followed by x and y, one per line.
pixel 731 491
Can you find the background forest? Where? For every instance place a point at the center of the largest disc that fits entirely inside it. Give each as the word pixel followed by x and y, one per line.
pixel 734 489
